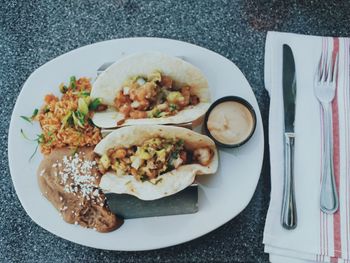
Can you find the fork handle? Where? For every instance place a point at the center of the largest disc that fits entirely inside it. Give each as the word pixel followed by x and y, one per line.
pixel 329 197
pixel 289 212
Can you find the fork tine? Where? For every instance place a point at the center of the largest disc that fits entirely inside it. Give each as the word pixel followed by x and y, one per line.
pixel 330 67
pixel 319 71
pixel 335 68
pixel 318 74
pixel 324 65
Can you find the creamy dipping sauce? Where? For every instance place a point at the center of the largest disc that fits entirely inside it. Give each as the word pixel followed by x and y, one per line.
pixel 230 122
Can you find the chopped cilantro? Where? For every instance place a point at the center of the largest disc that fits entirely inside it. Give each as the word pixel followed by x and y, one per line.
pixel 31 118
pixel 173 107
pixel 157 113
pixel 91 123
pixel 170 167
pixel 25 136
pixel 46 109
pixel 94 104
pixel 39 140
pixel 180 143
pixel 143 178
pixel 78 119
pixel 33 154
pixel 26 119
pixel 84 94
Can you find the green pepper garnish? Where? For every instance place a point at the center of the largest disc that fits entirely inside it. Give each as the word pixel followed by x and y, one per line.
pixel 72 83
pixel 67 119
pixel 94 104
pixel 83 106
pixel 78 119
pixel 84 94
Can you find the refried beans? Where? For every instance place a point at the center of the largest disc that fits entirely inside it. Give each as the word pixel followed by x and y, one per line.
pixel 70 182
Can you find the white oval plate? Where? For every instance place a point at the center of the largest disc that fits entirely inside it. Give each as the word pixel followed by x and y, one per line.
pixel 221 196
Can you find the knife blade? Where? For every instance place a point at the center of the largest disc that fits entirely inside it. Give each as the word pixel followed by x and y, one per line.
pixel 289 212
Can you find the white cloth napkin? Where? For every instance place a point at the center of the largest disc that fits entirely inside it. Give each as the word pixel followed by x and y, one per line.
pixel 318 237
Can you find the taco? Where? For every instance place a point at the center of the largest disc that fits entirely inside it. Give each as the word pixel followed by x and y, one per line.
pixel 153 161
pixel 149 88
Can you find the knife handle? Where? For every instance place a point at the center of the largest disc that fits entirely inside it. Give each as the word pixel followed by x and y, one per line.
pixel 289 212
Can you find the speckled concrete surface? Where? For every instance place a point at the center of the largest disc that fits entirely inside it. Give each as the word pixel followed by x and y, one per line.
pixel 34 32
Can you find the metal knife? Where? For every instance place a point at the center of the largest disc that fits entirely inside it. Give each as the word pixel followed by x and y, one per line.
pixel 289 213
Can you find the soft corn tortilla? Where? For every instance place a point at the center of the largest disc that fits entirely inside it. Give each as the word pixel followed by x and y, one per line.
pixel 173 181
pixel 111 81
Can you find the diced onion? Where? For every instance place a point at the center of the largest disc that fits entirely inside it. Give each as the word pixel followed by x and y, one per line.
pixel 135 104
pixel 177 162
pixel 126 90
pixel 136 162
pixel 140 81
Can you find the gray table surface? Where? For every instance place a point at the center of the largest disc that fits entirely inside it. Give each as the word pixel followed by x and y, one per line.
pixel 34 32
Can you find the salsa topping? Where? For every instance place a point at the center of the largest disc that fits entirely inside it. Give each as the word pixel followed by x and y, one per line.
pixel 153 158
pixel 154 96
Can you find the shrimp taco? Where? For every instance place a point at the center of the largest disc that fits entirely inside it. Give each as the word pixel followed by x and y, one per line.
pixel 150 88
pixel 153 161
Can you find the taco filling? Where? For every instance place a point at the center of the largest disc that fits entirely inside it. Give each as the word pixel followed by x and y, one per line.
pixel 152 158
pixel 154 96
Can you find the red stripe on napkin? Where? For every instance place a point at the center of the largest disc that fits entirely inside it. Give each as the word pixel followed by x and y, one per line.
pixel 336 159
pixel 334 260
pixel 346 105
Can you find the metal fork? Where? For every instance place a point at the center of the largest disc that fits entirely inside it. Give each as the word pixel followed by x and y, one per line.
pixel 324 89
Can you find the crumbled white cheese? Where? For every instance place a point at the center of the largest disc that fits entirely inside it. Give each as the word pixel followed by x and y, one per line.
pixel 77 176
